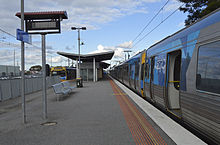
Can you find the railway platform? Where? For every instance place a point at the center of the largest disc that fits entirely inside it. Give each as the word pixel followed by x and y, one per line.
pixel 101 113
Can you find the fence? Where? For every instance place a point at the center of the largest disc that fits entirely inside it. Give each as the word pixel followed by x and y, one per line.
pixel 12 88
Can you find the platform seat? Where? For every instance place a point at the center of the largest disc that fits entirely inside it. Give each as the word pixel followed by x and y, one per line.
pixel 59 89
pixel 66 84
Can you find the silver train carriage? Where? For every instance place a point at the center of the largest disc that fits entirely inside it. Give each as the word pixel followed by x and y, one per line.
pixel 181 74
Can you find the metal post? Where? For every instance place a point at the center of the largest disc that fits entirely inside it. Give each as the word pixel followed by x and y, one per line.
pixel 51 61
pixel 22 66
pixel 87 75
pixel 14 62
pixel 79 75
pixel 94 76
pixel 77 68
pixel 44 89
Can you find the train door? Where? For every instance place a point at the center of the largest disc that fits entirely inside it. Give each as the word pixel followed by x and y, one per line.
pixel 173 80
pixel 136 79
pixel 147 78
pixel 141 89
pixel 142 74
pixel 132 81
pixel 152 77
pixel 130 75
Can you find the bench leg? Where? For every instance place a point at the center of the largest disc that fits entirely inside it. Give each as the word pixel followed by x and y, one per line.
pixel 58 97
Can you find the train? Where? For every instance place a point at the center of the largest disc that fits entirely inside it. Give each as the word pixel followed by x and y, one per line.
pixel 65 73
pixel 181 75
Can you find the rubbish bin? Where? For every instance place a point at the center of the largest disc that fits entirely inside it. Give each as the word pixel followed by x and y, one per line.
pixel 79 82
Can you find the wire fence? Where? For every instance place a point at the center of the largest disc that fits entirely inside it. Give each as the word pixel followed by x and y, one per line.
pixel 10 55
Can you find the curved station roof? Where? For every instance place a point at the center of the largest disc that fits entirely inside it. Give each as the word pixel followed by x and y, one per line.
pixel 89 57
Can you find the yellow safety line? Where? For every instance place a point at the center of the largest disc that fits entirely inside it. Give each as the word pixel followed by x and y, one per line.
pixel 142 123
pixel 174 81
pixel 136 115
pixel 119 94
pixel 173 113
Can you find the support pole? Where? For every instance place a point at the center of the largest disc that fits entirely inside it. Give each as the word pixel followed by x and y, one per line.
pixel 96 74
pixel 22 67
pixel 87 75
pixel 44 89
pixel 14 63
pixel 79 75
pixel 94 71
pixel 77 68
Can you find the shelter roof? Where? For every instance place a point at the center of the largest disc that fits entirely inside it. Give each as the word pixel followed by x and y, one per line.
pixel 43 15
pixel 89 57
pixel 104 65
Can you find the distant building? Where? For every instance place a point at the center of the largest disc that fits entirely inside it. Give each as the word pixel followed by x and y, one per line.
pixel 6 70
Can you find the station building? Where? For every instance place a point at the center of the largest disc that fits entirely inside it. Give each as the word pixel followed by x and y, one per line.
pixel 92 65
pixel 7 70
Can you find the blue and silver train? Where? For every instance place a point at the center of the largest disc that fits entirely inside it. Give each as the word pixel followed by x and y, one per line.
pixel 181 75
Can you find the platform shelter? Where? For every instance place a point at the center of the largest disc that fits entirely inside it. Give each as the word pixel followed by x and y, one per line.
pixel 92 65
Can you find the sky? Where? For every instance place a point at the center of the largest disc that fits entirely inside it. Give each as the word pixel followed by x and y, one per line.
pixel 111 25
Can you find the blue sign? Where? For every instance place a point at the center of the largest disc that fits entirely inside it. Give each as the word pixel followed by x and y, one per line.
pixel 23 36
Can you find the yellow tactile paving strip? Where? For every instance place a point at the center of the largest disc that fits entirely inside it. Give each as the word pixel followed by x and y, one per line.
pixel 142 131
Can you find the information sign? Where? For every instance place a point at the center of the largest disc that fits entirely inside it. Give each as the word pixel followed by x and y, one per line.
pixel 23 36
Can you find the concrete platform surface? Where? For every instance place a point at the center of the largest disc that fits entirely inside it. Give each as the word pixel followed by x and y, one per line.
pixel 91 115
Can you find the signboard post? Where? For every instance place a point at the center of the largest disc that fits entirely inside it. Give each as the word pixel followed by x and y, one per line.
pixel 42 23
pixel 22 67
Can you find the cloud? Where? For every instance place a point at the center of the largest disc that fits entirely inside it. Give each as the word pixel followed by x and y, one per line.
pixel 172 6
pixel 51 51
pixel 57 59
pixel 69 47
pixel 119 49
pixel 128 45
pixel 91 14
pixel 181 25
pixel 80 12
pixel 49 47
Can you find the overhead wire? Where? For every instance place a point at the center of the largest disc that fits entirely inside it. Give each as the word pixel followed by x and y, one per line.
pixel 15 37
pixel 156 27
pixel 150 21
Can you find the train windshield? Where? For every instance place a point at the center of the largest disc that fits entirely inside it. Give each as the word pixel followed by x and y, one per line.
pixel 59 73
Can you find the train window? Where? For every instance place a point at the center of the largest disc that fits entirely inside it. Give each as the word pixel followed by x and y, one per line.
pixel 152 68
pixel 142 71
pixel 208 68
pixel 176 73
pixel 127 71
pixel 136 69
pixel 147 71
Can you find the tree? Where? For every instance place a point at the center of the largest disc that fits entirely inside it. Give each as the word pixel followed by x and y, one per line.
pixel 35 68
pixel 198 8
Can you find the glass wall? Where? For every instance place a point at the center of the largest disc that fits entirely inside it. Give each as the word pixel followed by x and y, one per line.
pixel 87 74
pixel 84 74
pixel 90 74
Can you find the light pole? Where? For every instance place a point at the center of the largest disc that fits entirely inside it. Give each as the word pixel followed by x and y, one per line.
pixel 78 29
pixel 22 67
